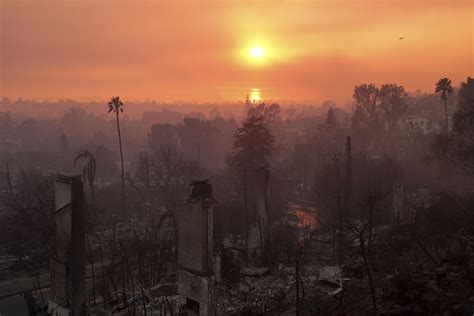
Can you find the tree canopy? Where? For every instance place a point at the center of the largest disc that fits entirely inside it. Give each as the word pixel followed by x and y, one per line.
pixel 253 143
pixel 463 128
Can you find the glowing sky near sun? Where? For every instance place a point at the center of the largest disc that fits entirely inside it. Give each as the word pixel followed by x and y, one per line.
pixel 220 50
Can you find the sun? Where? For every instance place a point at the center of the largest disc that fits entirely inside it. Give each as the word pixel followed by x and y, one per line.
pixel 257 52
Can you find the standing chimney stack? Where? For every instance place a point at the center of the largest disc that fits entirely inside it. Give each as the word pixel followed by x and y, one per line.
pixel 68 269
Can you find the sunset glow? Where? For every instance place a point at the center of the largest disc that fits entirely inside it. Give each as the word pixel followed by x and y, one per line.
pixel 302 50
pixel 255 95
pixel 248 157
pixel 257 52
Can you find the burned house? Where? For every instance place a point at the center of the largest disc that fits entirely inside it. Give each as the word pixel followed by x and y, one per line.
pixel 250 242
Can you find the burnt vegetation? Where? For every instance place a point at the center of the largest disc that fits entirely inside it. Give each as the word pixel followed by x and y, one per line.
pixel 361 208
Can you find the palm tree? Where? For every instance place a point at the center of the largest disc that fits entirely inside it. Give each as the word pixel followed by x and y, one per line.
pixel 444 87
pixel 88 171
pixel 116 105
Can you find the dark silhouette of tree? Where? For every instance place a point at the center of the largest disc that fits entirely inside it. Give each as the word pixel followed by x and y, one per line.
pixel 162 177
pixel 116 105
pixel 366 96
pixel 393 102
pixel 270 113
pixel 328 134
pixel 29 220
pixel 443 87
pixel 331 120
pixel 253 144
pixel 73 122
pixel 197 140
pixel 6 124
pixel 214 114
pixel 88 171
pixel 463 128
pixel 359 118
pixel 162 136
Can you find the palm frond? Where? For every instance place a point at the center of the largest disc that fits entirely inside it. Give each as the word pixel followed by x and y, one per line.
pixel 81 154
pixel 115 104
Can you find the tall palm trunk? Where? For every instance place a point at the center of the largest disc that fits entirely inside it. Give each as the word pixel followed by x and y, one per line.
pixel 121 163
pixel 446 114
pixel 9 181
pixel 91 187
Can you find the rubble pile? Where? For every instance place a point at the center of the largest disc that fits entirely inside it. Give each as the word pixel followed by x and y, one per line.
pixel 126 303
pixel 260 290
pixel 447 288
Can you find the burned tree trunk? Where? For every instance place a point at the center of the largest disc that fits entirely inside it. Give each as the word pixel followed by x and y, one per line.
pixel 369 269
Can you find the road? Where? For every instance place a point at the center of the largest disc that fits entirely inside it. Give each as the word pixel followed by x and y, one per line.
pixel 18 286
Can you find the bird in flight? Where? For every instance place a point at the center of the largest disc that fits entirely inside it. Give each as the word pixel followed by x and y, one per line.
pixel 401 38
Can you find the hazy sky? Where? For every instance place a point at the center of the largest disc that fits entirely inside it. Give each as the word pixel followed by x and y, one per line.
pixel 198 49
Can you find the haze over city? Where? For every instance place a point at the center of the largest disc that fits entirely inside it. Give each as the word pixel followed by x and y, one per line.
pixel 236 157
pixel 201 50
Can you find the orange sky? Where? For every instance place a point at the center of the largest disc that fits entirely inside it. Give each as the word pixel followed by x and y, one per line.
pixel 196 49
